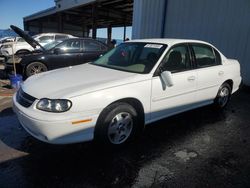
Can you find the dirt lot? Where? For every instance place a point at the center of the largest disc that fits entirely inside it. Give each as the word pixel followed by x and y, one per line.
pixel 200 148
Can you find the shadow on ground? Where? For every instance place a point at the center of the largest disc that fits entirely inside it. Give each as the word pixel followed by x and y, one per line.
pixel 214 137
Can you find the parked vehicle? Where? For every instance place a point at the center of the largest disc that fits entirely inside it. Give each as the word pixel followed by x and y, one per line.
pixel 136 83
pixel 21 46
pixel 5 40
pixel 58 54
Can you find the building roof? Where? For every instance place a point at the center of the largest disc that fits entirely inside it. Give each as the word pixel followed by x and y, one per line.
pixel 107 12
pixel 40 14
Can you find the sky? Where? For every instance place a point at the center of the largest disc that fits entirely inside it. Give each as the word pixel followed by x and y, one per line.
pixel 13 11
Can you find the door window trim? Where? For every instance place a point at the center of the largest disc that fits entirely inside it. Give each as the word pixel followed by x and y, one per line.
pixel 195 64
pixel 158 70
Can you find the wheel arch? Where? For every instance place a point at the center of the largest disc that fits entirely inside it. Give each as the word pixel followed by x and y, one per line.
pixel 26 50
pixel 134 102
pixel 33 61
pixel 230 82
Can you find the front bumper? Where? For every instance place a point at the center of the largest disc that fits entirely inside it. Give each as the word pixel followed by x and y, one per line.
pixel 52 129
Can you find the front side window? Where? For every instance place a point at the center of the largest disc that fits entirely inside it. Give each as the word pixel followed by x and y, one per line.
pixel 204 55
pixel 177 59
pixel 51 44
pixel 70 46
pixel 137 57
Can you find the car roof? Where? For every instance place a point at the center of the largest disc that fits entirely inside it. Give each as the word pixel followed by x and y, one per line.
pixel 169 41
pixel 41 34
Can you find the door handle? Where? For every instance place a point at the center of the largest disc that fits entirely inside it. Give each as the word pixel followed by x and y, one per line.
pixel 221 73
pixel 191 78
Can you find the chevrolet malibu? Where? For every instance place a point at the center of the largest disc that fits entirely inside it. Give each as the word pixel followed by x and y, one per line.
pixel 138 82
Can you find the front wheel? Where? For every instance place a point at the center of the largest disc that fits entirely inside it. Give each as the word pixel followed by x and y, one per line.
pixel 118 124
pixel 223 96
pixel 35 68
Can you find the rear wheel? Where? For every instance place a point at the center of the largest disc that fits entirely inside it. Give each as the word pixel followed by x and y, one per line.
pixel 35 68
pixel 118 124
pixel 223 96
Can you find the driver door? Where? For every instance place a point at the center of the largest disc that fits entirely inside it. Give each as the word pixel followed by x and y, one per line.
pixel 166 101
pixel 67 53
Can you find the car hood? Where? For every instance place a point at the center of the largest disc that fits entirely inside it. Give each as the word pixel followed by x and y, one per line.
pixel 26 37
pixel 73 81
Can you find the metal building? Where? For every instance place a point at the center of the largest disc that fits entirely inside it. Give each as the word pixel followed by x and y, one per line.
pixel 224 23
pixel 79 17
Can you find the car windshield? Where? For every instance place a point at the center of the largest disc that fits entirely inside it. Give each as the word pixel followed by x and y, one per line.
pixel 51 44
pixel 134 57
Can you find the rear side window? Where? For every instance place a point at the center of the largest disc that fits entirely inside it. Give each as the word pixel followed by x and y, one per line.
pixel 217 57
pixel 91 45
pixel 204 55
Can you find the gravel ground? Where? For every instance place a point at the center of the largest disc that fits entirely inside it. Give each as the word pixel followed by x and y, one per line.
pixel 200 148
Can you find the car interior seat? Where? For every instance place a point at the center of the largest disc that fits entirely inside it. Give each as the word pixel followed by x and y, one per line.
pixel 174 62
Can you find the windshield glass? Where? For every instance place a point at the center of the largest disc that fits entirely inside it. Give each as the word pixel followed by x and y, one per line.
pixel 134 57
pixel 51 44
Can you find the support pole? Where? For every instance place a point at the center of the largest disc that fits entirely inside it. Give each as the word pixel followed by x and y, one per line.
pixel 60 23
pixel 26 26
pixel 124 33
pixel 40 26
pixel 109 34
pixel 94 24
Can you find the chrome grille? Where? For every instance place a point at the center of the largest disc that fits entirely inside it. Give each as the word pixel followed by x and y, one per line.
pixel 24 99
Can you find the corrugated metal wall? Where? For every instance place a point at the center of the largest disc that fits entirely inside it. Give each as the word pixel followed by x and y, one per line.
pixel 147 18
pixel 224 23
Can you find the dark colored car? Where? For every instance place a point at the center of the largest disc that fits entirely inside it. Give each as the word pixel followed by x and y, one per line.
pixel 55 55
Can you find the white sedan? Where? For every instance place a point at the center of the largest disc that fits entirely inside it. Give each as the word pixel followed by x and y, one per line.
pixel 136 83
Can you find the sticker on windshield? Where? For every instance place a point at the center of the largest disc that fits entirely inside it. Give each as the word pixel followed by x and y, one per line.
pixel 153 46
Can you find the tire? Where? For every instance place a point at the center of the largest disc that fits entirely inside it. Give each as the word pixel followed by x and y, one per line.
pixel 35 68
pixel 223 96
pixel 117 125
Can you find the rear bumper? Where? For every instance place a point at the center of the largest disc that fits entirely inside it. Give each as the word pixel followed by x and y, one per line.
pixel 236 83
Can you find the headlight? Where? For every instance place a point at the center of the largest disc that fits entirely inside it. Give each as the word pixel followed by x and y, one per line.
pixel 54 105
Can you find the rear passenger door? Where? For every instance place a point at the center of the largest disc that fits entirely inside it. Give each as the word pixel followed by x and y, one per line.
pixel 92 50
pixel 209 71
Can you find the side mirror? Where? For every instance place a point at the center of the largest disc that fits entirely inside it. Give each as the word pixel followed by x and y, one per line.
pixel 167 78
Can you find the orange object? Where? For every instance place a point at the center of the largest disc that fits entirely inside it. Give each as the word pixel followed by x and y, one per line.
pixel 81 121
